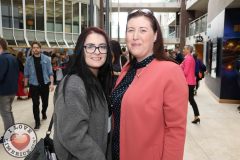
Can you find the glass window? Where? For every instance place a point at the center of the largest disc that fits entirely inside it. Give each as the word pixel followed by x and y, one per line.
pixel 30 20
pixel 39 15
pixel 122 24
pixel 6 14
pixel 97 16
pixel 68 16
pixel 84 16
pixel 59 16
pixel 50 15
pixel 21 43
pixel 11 42
pixel 18 14
pixel 76 18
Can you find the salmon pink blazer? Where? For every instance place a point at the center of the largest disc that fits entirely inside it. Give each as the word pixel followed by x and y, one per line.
pixel 153 113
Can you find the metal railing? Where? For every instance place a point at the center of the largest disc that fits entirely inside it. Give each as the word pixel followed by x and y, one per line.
pixel 197 26
pixel 16 38
pixel 171 31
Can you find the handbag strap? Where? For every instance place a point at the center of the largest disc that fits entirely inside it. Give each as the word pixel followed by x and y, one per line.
pixel 51 122
pixel 49 128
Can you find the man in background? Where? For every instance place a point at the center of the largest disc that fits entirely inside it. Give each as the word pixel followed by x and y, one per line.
pixel 8 84
pixel 179 56
pixel 39 74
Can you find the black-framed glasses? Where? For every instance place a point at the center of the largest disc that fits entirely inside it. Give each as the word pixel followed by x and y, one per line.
pixel 92 48
pixel 146 11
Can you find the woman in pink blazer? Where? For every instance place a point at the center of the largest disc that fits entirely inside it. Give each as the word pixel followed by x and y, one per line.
pixel 149 101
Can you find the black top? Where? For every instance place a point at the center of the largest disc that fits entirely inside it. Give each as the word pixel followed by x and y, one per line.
pixel 38 68
pixel 116 99
pixel 20 65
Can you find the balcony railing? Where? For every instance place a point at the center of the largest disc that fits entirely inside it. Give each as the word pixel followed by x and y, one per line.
pixel 171 31
pixel 197 26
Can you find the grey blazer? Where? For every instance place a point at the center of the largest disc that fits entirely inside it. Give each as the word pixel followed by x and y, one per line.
pixel 79 133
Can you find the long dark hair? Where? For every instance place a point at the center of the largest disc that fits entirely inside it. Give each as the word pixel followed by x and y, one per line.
pixel 158 47
pixel 95 86
pixel 116 49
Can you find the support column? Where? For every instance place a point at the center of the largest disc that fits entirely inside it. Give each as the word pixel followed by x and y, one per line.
pixel 91 12
pixel 183 24
pixel 101 15
pixel 1 30
pixel 107 18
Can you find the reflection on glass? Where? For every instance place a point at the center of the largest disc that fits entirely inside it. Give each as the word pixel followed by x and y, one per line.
pixel 50 15
pixel 30 14
pixel 68 16
pixel 39 15
pixel 84 20
pixel 18 14
pixel 76 18
pixel 59 16
pixel 6 14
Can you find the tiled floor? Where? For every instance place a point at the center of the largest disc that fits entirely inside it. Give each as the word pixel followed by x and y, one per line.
pixel 216 138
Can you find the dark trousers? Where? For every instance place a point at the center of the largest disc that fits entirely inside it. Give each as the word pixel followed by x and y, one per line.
pixel 197 83
pixel 36 92
pixel 192 101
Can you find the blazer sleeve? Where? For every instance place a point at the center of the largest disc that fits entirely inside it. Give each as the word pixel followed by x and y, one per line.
pixel 72 120
pixel 175 115
pixel 186 66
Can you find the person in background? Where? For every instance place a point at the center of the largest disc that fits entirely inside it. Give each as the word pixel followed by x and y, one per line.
pixel 54 61
pixel 64 59
pixel 8 84
pixel 125 53
pixel 149 115
pixel 188 66
pixel 166 52
pixel 179 55
pixel 39 74
pixel 118 59
pixel 200 68
pixel 81 100
pixel 21 95
pixel 173 55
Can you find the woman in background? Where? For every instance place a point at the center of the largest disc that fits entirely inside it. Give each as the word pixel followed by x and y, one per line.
pixel 21 95
pixel 118 59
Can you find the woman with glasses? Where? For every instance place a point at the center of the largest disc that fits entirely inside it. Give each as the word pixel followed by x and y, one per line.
pixel 150 98
pixel 81 100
